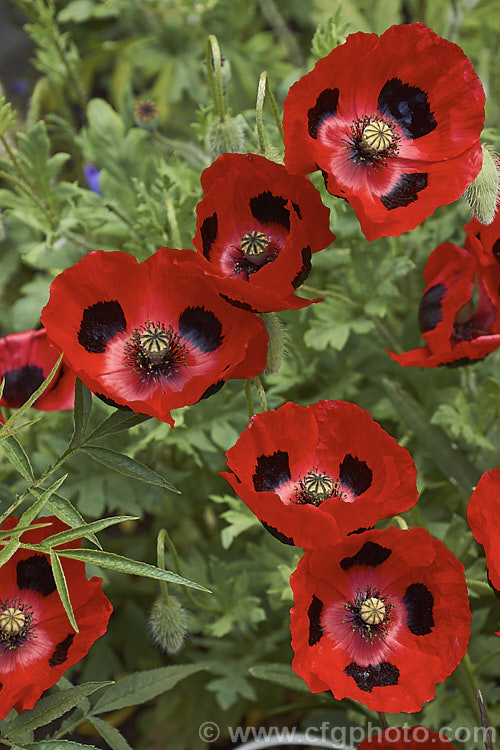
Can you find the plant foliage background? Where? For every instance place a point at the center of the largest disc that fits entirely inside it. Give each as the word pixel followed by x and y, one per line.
pixel 85 65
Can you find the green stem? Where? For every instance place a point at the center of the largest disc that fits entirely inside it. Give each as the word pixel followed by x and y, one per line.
pixel 160 558
pixel 486 660
pixel 401 522
pixel 261 95
pixel 214 68
pixel 260 393
pixel 277 22
pixel 172 220
pixel 73 78
pixel 467 683
pixel 171 548
pixel 274 108
pixel 249 398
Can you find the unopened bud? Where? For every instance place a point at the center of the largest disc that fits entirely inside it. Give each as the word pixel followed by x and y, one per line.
pixel 276 347
pixel 482 194
pixel 225 136
pixel 146 114
pixel 168 624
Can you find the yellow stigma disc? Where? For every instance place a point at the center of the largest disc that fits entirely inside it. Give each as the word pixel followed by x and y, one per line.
pixel 377 135
pixel 318 485
pixel 372 611
pixel 12 621
pixel 254 243
pixel 154 340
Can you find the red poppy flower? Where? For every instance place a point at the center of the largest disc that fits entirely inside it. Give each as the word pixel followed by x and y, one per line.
pixel 37 642
pixel 484 240
pixel 483 516
pixel 26 359
pixel 320 472
pixel 257 227
pixel 407 738
pixel 153 336
pixel 454 332
pixel 392 121
pixel 380 618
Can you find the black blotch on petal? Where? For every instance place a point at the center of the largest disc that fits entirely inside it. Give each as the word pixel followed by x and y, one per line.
pixel 202 328
pixel 110 402
pixel 361 530
pixel 326 106
pixel 496 250
pixel 371 554
pixel 61 651
pixel 100 322
pixel 208 231
pixel 355 474
pixel 296 208
pixel 20 383
pixel 278 535
pixel 34 573
pixel 408 105
pixel 237 303
pixel 419 603
pixel 212 389
pixel 377 675
pixel 269 208
pixel 405 190
pixel 271 471
pixel 463 362
pixel 305 269
pixel 314 613
pixel 430 312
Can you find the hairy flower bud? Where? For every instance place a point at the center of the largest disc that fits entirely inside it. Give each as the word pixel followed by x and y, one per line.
pixel 225 136
pixel 168 624
pixel 276 347
pixel 482 194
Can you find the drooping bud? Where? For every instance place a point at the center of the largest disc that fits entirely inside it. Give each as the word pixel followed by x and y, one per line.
pixel 276 347
pixel 482 195
pixel 168 624
pixel 225 136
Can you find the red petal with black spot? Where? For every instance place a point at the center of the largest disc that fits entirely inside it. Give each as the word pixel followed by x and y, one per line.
pixel 320 472
pixel 380 618
pixel 453 330
pixel 407 738
pixel 153 336
pixel 37 642
pixel 257 228
pixel 483 516
pixel 26 359
pixel 392 121
pixel 484 240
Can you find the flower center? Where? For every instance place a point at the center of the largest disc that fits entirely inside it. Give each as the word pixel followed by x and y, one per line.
pixel 316 487
pixel 15 624
pixel 254 244
pixel 155 352
pixel 369 614
pixel 372 141
pixel 256 250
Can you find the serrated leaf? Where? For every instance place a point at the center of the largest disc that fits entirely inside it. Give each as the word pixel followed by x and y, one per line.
pixel 110 734
pixel 34 396
pixel 18 458
pixel 51 707
pixel 142 686
pixel 124 565
pixel 62 589
pixel 127 466
pixel 281 674
pixel 81 413
pixel 118 421
pixel 84 530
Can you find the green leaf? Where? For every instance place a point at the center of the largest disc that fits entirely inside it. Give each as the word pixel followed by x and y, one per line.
pixel 12 431
pixel 63 509
pixel 453 464
pixel 110 734
pixel 62 589
pixel 10 549
pixel 58 745
pixel 81 413
pixel 142 686
pixel 18 458
pixel 7 115
pixel 125 565
pixel 118 421
pixel 31 513
pixel 18 530
pixel 34 396
pixel 84 530
pixel 128 466
pixel 51 707
pixel 281 674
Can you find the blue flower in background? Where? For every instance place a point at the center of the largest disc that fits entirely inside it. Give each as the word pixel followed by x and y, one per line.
pixel 92 175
